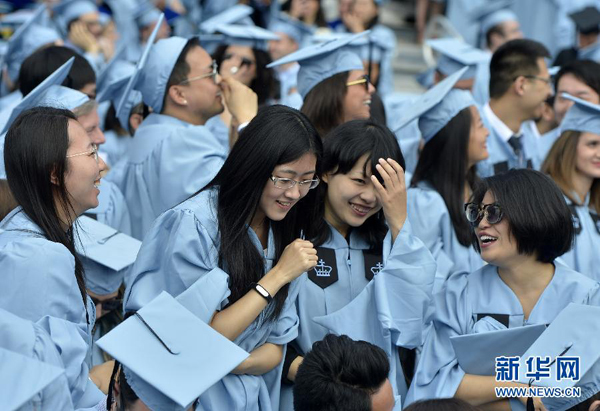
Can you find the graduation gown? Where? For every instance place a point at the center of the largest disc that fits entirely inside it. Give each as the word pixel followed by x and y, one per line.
pixel 382 299
pixel 480 302
pixel 168 161
pixel 182 248
pixel 584 257
pixel 116 147
pixel 38 284
pixel 431 223
pixel 545 143
pixel 30 340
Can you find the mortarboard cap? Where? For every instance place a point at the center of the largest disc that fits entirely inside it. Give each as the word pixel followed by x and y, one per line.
pixel 233 15
pixel 68 10
pixel 249 36
pixel 493 12
pixel 571 335
pixel 553 71
pixel 170 356
pixel 23 378
pixel 152 71
pixel 586 20
pixel 32 99
pixel 582 116
pixel 476 353
pixel 108 247
pixel 369 48
pixel 61 97
pixel 114 88
pixel 437 106
pixel 146 14
pixel 321 61
pixel 456 54
pixel 105 73
pixel 294 28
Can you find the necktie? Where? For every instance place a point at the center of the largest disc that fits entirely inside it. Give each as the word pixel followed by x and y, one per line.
pixel 515 143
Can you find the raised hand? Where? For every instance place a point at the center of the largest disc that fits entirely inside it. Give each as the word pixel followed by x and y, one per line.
pixel 392 196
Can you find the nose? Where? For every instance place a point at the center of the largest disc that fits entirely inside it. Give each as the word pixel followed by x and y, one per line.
pixel 483 224
pixel 368 194
pixel 371 89
pixel 100 138
pixel 293 192
pixel 101 164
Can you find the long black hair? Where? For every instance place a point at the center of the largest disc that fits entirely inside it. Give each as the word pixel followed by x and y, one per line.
pixel 36 149
pixel 342 148
pixel 443 164
pixel 277 135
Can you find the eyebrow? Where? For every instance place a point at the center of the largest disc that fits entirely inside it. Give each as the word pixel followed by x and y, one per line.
pixel 295 173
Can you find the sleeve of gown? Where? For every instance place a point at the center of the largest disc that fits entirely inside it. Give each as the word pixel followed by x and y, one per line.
pixel 117 215
pixel 177 251
pixel 286 329
pixel 438 374
pixel 428 217
pixel 188 161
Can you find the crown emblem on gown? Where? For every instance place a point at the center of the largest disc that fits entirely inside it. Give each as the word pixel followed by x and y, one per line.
pixel 322 270
pixel 378 267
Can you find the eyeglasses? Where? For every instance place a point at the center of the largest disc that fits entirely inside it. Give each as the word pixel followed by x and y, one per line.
pixel 214 72
pixel 362 80
pixel 245 61
pixel 108 305
pixel 287 183
pixel 474 213
pixel 93 151
pixel 545 80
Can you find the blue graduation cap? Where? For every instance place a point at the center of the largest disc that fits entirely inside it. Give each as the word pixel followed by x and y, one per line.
pixel 146 14
pixel 108 247
pixel 437 106
pixel 104 73
pixel 114 89
pixel 30 36
pixel 32 99
pixel 371 47
pixel 170 356
pixel 233 15
pixel 294 28
pixel 456 54
pixel 569 338
pixel 152 71
pixel 249 36
pixel 494 12
pixel 321 61
pixel 62 97
pixel 582 116
pixel 23 378
pixel 68 10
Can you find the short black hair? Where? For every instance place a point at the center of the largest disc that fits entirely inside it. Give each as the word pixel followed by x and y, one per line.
pixel 37 67
pixel 586 71
pixel 513 59
pixel 340 374
pixel 537 213
pixel 441 404
pixel 181 69
pixel 497 29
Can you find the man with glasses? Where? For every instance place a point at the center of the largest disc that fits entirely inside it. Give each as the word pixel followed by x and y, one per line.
pixel 519 85
pixel 173 154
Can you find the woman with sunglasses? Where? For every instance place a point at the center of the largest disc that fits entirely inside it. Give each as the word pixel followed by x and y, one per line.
pixel 455 140
pixel 333 83
pixel 372 272
pixel 243 236
pixel 54 178
pixel 574 164
pixel 521 225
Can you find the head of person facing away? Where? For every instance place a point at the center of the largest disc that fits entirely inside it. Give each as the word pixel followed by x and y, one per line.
pixel 519 80
pixel 342 374
pixel 501 33
pixel 580 79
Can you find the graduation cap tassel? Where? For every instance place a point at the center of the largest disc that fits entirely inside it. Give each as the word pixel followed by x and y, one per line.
pixel 530 406
pixel 370 59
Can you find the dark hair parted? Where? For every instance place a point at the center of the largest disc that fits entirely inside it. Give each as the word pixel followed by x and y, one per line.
pixel 324 104
pixel 31 158
pixel 340 374
pixel 513 59
pixel 320 18
pixel 181 69
pixel 586 71
pixel 448 177
pixel 540 220
pixel 342 149
pixel 441 404
pixel 265 85
pixel 498 29
pixel 277 135
pixel 37 67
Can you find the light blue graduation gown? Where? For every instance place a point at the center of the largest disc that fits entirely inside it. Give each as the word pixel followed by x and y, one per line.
pixel 464 307
pixel 545 143
pixel 591 52
pixel 168 161
pixel 538 21
pixel 39 284
pixel 220 131
pixel 181 248
pixel 389 311
pixel 116 147
pixel 288 80
pixel 30 340
pixel 431 223
pixel 584 257
pixel 481 85
pixel 502 156
pixel 409 136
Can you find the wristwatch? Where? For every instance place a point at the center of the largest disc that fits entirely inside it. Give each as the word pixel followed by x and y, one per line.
pixel 262 292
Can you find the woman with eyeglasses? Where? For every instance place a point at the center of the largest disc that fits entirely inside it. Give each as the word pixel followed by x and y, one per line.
pixel 574 164
pixel 242 237
pixel 455 141
pixel 54 177
pixel 372 272
pixel 333 83
pixel 521 225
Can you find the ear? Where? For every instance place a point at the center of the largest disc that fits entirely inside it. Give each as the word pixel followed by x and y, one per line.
pixel 116 394
pixel 177 95
pixel 54 177
pixel 520 86
pixel 325 178
pixel 135 120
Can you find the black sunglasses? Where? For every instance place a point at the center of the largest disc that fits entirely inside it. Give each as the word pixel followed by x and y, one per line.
pixel 108 305
pixel 245 61
pixel 475 213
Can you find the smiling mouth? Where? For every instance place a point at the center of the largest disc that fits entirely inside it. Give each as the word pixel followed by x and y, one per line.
pixel 97 184
pixel 360 210
pixel 487 240
pixel 285 204
pixel 367 102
